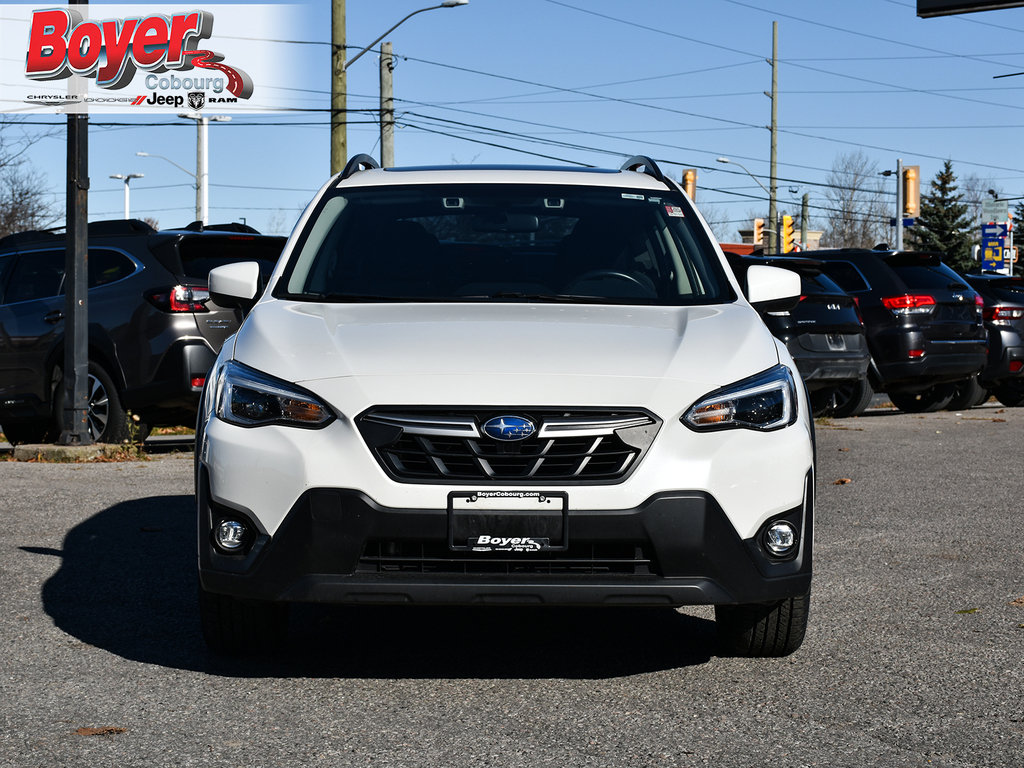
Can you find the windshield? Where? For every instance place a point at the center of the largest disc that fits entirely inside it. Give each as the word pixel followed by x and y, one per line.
pixel 505 243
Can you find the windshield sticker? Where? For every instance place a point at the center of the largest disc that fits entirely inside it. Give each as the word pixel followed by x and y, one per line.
pixel 674 210
pixel 630 196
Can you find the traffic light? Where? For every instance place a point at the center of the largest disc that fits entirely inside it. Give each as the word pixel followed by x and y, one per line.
pixel 788 236
pixel 911 182
pixel 690 182
pixel 758 232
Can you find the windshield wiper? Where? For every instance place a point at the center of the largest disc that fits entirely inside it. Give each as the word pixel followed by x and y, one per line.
pixel 361 297
pixel 552 297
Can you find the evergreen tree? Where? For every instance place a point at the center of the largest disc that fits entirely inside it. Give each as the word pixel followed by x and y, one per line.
pixel 943 224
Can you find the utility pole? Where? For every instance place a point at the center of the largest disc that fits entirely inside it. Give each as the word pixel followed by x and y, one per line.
pixel 202 176
pixel 339 140
pixel 774 96
pixel 899 204
pixel 387 107
pixel 805 205
pixel 74 418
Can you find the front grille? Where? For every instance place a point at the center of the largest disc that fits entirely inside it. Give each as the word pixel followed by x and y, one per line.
pixel 582 559
pixel 450 446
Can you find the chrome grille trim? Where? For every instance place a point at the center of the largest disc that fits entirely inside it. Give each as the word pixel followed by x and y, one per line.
pixel 431 426
pixel 432 444
pixel 585 427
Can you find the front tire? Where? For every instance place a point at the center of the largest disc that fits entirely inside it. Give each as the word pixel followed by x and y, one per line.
pixel 760 630
pixel 932 399
pixel 20 433
pixel 234 626
pixel 967 394
pixel 1010 395
pixel 843 401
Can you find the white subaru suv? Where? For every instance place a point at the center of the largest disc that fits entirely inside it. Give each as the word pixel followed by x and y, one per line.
pixel 509 386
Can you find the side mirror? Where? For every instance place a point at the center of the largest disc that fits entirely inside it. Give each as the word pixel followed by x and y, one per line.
pixel 236 286
pixel 772 289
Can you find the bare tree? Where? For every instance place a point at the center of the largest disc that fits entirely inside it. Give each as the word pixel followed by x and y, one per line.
pixel 721 225
pixel 24 201
pixel 857 209
pixel 975 190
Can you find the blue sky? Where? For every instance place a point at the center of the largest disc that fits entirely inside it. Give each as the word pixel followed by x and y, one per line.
pixel 593 82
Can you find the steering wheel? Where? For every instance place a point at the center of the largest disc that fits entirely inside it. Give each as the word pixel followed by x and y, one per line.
pixel 596 274
pixel 643 286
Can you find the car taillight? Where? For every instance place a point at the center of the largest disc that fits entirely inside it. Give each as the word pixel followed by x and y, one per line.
pixel 856 307
pixel 997 314
pixel 909 304
pixel 181 298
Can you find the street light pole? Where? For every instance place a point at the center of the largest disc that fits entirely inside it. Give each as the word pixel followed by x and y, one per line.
pixel 774 239
pixel 127 177
pixel 180 168
pixel 339 67
pixel 202 173
pixel 899 201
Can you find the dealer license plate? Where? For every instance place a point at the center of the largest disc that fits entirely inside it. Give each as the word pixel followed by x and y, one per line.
pixel 508 521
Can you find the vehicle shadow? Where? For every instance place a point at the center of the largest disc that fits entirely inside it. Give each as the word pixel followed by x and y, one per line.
pixel 127 584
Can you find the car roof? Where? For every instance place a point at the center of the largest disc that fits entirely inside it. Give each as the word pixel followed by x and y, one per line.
pixel 502 174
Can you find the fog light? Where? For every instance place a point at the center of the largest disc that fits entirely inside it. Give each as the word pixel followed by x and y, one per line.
pixel 914 353
pixel 780 538
pixel 1016 365
pixel 230 535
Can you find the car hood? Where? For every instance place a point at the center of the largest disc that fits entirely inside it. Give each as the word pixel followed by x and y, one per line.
pixel 503 353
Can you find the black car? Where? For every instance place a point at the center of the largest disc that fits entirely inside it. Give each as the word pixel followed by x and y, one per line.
pixel 923 321
pixel 153 330
pixel 823 333
pixel 1004 319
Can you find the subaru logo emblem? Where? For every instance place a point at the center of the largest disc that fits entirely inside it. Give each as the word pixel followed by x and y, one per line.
pixel 509 428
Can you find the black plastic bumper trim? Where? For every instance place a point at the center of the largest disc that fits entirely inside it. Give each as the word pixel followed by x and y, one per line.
pixel 314 556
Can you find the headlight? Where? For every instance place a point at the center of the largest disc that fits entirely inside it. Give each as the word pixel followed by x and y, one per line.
pixel 249 398
pixel 764 402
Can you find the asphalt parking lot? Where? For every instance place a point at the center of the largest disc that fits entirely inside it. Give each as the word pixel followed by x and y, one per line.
pixel 914 656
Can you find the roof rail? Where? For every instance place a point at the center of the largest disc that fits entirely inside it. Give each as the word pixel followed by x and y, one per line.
pixel 16 238
pixel 357 163
pixel 231 226
pixel 642 161
pixel 101 228
pixel 120 227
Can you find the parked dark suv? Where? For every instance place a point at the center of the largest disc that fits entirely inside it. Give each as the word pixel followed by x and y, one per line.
pixel 153 331
pixel 1004 319
pixel 823 332
pixel 923 321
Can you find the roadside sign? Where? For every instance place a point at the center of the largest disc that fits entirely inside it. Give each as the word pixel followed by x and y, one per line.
pixel 991 251
pixel 994 229
pixel 995 210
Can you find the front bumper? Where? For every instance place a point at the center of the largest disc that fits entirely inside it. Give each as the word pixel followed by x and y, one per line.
pixel 338 546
